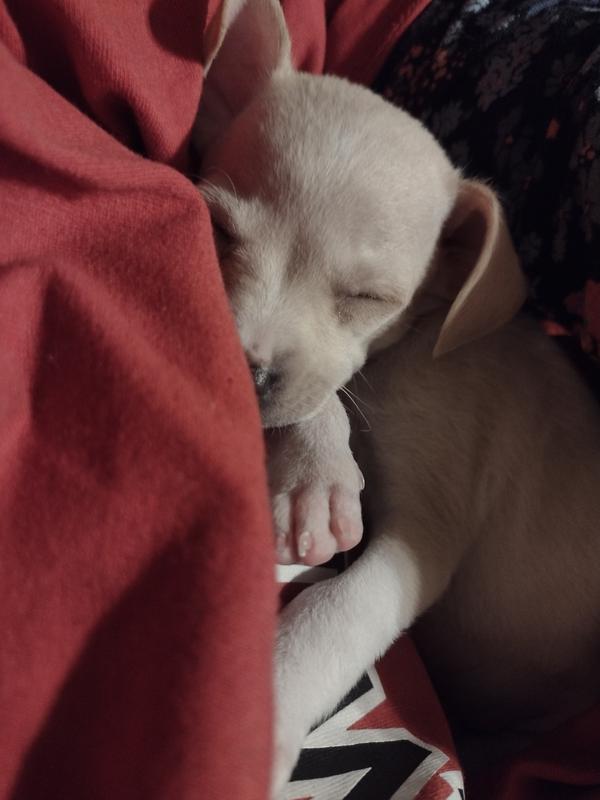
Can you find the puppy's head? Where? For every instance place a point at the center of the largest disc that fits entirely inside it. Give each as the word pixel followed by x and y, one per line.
pixel 330 208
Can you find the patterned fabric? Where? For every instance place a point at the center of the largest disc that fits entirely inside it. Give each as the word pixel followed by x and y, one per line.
pixel 512 90
pixel 388 739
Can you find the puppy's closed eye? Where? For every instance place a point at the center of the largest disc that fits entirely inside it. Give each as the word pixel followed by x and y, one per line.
pixel 361 306
pixel 366 296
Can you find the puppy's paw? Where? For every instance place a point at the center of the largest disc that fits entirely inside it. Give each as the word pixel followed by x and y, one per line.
pixel 287 751
pixel 305 686
pixel 318 519
pixel 315 488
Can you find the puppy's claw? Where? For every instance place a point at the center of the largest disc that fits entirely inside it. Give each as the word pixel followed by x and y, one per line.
pixel 305 541
pixel 361 480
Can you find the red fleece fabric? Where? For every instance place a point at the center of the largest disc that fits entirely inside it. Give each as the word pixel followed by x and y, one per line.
pixel 136 565
pixel 136 570
pixel 350 38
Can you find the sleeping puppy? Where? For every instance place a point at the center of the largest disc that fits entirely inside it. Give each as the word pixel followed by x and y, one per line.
pixel 348 240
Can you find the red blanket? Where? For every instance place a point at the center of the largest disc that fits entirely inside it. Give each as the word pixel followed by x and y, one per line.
pixel 137 599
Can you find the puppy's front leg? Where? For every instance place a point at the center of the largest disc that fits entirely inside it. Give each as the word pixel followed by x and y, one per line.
pixel 335 630
pixel 315 487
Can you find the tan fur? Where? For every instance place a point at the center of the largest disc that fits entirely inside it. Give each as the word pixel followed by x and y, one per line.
pixel 348 241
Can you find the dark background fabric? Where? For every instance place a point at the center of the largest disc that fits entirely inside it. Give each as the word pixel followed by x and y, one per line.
pixel 512 90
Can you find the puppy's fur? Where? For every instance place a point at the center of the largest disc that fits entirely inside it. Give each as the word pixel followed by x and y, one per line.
pixel 347 238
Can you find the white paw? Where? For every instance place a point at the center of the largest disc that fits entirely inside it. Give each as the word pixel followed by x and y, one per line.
pixel 318 519
pixel 288 745
pixel 301 689
pixel 315 488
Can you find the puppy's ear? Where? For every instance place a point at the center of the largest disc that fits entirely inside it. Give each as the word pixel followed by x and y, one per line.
pixel 477 265
pixel 245 44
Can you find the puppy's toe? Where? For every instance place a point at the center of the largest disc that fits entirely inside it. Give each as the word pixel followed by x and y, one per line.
pixel 285 757
pixel 322 548
pixel 345 518
pixel 314 541
pixel 282 522
pixel 284 548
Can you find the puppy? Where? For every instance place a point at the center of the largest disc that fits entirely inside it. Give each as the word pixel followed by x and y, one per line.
pixel 346 239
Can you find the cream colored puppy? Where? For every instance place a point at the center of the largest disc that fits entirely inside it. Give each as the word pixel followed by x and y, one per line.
pixel 347 238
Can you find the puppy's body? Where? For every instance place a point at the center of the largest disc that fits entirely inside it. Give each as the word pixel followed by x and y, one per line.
pixel 345 233
pixel 482 472
pixel 495 450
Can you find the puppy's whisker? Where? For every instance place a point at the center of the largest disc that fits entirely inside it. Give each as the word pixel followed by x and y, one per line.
pixel 362 375
pixel 357 407
pixel 358 399
pixel 228 178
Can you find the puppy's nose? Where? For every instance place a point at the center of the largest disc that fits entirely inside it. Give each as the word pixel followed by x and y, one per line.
pixel 265 380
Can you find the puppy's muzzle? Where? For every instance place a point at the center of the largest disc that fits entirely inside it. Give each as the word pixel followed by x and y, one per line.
pixel 266 381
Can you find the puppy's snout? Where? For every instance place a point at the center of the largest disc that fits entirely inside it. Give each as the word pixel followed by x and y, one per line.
pixel 265 381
